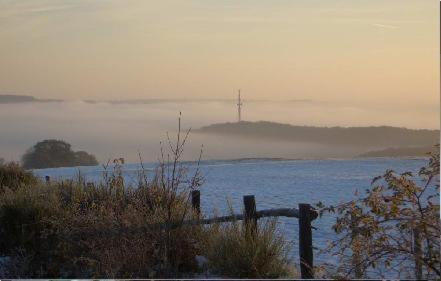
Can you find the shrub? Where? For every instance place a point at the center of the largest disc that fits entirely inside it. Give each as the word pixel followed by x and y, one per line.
pixel 395 225
pixel 23 219
pixel 234 250
pixel 12 176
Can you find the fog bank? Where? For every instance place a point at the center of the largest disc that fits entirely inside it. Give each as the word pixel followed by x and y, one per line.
pixel 122 130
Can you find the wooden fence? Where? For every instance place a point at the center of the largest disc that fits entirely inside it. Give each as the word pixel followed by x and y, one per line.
pixel 305 213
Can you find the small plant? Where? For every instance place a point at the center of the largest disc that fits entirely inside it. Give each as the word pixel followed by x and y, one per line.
pixel 235 250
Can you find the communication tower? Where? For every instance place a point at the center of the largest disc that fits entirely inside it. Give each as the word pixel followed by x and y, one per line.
pixel 239 108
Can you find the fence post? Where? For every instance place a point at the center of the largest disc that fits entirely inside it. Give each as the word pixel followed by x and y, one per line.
pixel 305 242
pixel 356 259
pixel 196 201
pixel 250 212
pixel 417 251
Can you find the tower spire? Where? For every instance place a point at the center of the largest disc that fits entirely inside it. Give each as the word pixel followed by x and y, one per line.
pixel 239 108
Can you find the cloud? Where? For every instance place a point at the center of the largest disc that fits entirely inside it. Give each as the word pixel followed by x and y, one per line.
pixel 17 10
pixel 385 26
pixel 52 8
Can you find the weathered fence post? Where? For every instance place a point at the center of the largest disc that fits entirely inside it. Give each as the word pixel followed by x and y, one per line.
pixel 196 201
pixel 305 242
pixel 250 212
pixel 356 258
pixel 417 251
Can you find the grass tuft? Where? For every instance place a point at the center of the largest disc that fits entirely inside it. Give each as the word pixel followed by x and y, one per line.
pixel 234 250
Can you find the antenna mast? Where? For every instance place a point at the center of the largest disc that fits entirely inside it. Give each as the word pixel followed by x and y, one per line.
pixel 239 108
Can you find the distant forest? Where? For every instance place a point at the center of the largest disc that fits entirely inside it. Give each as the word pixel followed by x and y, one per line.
pixel 16 99
pixel 383 136
pixel 401 152
pixel 23 98
pixel 56 153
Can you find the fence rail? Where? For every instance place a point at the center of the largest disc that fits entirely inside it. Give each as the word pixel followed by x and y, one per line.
pixel 281 212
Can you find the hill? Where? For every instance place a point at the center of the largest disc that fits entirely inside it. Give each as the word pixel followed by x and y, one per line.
pixel 23 98
pixel 421 151
pixel 16 98
pixel 382 136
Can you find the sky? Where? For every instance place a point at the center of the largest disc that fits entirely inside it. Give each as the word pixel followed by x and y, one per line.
pixel 302 62
pixel 370 51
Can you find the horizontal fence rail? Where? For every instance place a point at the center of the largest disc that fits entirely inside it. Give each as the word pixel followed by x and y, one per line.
pixel 281 212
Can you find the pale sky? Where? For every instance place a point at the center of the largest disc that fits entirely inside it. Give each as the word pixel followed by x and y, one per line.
pixel 361 51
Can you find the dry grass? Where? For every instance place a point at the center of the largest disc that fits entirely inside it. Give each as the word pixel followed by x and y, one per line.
pixel 70 230
pixel 12 176
pixel 236 251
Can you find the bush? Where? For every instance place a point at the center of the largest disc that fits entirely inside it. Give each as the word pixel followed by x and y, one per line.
pixel 395 225
pixel 12 176
pixel 236 251
pixel 24 215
